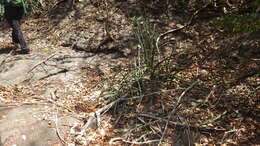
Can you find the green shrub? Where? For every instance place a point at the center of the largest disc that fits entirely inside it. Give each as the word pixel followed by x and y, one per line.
pixel 146 35
pixel 39 7
pixel 238 23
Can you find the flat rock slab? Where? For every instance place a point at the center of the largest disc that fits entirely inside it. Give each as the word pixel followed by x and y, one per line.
pixel 18 69
pixel 17 72
pixel 22 126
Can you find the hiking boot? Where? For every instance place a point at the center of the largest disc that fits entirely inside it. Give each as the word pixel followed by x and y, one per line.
pixel 16 46
pixel 24 51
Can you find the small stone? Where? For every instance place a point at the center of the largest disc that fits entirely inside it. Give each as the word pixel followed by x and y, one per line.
pixel 24 137
pixel 203 73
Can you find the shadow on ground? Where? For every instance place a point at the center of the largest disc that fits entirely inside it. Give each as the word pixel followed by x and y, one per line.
pixel 6 50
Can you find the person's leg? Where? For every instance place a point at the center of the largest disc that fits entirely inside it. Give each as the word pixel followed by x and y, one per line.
pixel 13 16
pixel 15 39
pixel 18 35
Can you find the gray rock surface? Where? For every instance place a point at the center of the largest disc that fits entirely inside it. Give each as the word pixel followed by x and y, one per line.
pixel 27 125
pixel 63 74
pixel 64 66
pixel 23 126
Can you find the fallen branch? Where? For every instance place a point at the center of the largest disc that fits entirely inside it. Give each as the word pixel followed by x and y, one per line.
pixel 176 106
pixel 96 115
pixel 43 61
pixel 183 93
pixel 227 132
pixel 248 74
pixel 178 29
pixel 8 105
pixel 16 104
pixel 58 132
pixel 141 126
pixel 178 124
pixel 53 74
pixel 214 119
pixel 57 104
pixel 7 56
pixel 131 142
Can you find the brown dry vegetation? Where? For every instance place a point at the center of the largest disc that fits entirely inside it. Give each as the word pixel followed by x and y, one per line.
pixel 205 88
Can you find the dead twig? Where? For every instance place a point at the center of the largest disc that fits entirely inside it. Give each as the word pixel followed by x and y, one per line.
pixel 213 90
pixel 176 106
pixel 163 134
pixel 248 74
pixel 214 119
pixel 141 126
pixel 178 29
pixel 43 61
pixel 8 105
pixel 57 130
pixel 16 104
pixel 7 56
pixel 131 142
pixel 96 115
pixel 202 129
pixel 142 137
pixel 57 104
pixel 182 94
pixel 227 132
pixel 53 74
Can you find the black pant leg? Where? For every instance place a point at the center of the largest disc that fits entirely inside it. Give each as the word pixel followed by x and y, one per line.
pixel 14 14
pixel 17 34
pixel 14 34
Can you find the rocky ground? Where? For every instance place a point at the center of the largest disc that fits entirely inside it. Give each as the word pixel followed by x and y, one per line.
pixel 39 90
pixel 52 96
pixel 32 85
